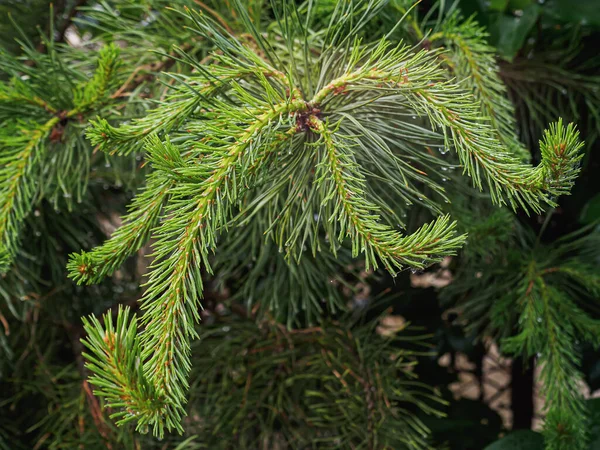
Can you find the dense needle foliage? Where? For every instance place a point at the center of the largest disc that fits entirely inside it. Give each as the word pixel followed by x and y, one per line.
pixel 211 212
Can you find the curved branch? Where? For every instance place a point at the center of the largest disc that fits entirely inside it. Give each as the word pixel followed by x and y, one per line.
pixel 418 80
pixel 359 219
pixel 473 61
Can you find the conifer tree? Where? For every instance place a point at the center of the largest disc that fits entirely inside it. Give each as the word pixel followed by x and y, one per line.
pixel 279 155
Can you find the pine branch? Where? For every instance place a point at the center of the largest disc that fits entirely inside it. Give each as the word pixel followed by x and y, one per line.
pixel 170 115
pixel 545 293
pixel 473 61
pixel 449 108
pixel 92 267
pixel 550 323
pixel 96 91
pixel 25 141
pixel 555 79
pixel 175 284
pixel 331 385
pixel 252 132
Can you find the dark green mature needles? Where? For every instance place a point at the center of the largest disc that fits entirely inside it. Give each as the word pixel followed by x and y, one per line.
pixel 546 293
pixel 330 386
pixel 297 128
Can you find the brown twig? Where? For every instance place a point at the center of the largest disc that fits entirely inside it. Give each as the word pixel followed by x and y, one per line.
pixel 5 324
pixel 135 78
pixel 97 415
pixel 215 14
pixel 75 333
